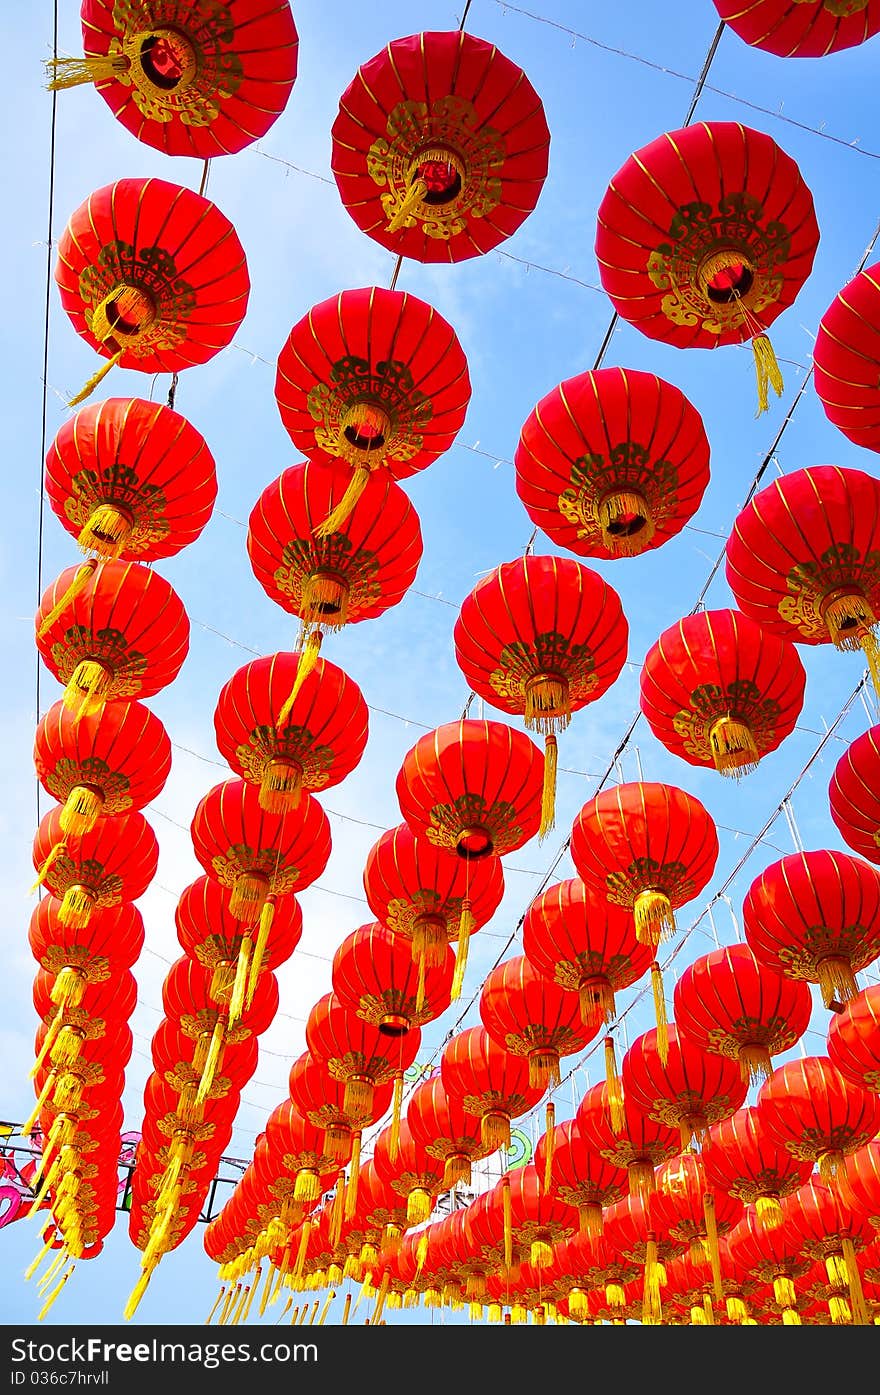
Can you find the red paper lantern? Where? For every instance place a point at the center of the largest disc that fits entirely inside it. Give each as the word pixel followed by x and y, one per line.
pixel 472 788
pixel 359 1053
pixel 612 463
pixel 829 1231
pixel 720 691
pixel 375 378
pixel 152 277
pixel 614 1128
pixel 541 638
pixel 532 1017
pixel 102 765
pixel 632 1230
pixel 646 846
pixel 854 1039
pixel 803 29
pixel 111 942
pixel 374 975
pixel 320 1098
pixel 488 1082
pixel 314 746
pixel 731 1003
pixel 802 559
pixel 853 795
pixel 809 1108
pixel 429 896
pixel 705 236
pixel 741 1158
pixel 115 861
pixel 440 1123
pixel 859 1184
pixel 172 1052
pixel 691 1088
pixel 409 1170
pixel 816 916
pixel 131 479
pixel 211 934
pixel 772 1256
pixel 111 632
pixel 846 354
pixel 440 147
pixel 204 81
pixel 687 1207
pixel 570 1169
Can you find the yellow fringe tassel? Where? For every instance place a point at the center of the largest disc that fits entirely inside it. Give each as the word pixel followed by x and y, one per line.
pixel 466 926
pixel 240 982
pixel 75 72
pixel 396 1106
pixel 327 1301
pixel 351 1190
pixel 419 1205
pixel 337 1212
pixel 614 1088
pixel 548 795
pixel 507 1211
pixel 655 1278
pixel 495 1130
pixel 420 990
pixel 871 649
pixel 212 1061
pixel 712 1244
pixel 106 532
pixel 87 689
pixel 335 519
pixel 653 917
pixel 57 1264
pixel 457 1171
pixel 308 657
pixel 280 785
pixel 267 917
pixel 227 1306
pixel 767 371
pixel 857 1297
pixel 81 579
pixel 48 863
pixel 660 1013
pixel 76 907
pixel 35 1263
pixel 837 982
pixel 82 809
pixel 380 1299
pixel 140 1289
pixel 96 378
pixel 217 1301
pixel 27 1127
pixel 413 197
pixel 299 1265
pixel 769 1212
pixel 549 1143
pixel 54 1294
pixel 734 751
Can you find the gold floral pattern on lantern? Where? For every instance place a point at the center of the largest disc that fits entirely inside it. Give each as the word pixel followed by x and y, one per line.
pixel 449 822
pixel 119 485
pixel 840 578
pixel 740 700
pixel 135 297
pixel 630 469
pixel 646 874
pixel 67 774
pixel 370 414
pixel 551 656
pixel 291 743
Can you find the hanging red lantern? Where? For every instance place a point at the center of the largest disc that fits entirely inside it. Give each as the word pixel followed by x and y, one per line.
pixel 816 916
pixel 102 765
pixel 808 1107
pixel 488 1082
pixel 209 933
pixel 257 855
pixel 472 788
pixel 111 631
pixel 130 479
pixel 115 861
pixel 731 1003
pixel 859 1184
pixel 379 1207
pixel 375 976
pixel 829 1231
pixel 705 236
pixel 188 1000
pixel 577 939
pixel 854 1039
pixel 846 354
pixel 205 81
pixel 440 147
pixel 312 746
pixel 152 276
pixel 719 691
pixel 440 1124
pixel 802 559
pixel 691 1088
pixel 625 1136
pixel 299 1156
pixel 320 1097
pixel 79 956
pixel 596 1274
pixel 612 463
pixel 803 29
pixel 633 1231
pixel 686 1207
pixel 409 1170
pixel 772 1256
pixel 377 379
pixel 741 1158
pixel 173 1051
pixel 571 1170
pixel 646 846
pixel 538 1221
pixel 429 896
pixel 852 795
pixel 532 1017
pixel 541 638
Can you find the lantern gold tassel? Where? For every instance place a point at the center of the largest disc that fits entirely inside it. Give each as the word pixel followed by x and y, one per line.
pixel 734 751
pixel 767 371
pixel 343 510
pixel 76 908
pixel 217 1301
pixel 653 916
pixel 81 579
pixel 769 1212
pixel 614 1088
pixel 396 1105
pixel 48 863
pixel 96 378
pixel 212 1061
pixel 548 795
pixel 54 1294
pixel 465 930
pixel 711 1220
pixel 140 1288
pixel 507 1211
pixel 420 990
pixel 871 649
pixel 87 688
pixel 837 982
pixel 27 1127
pixel 660 1013
pixel 299 1263
pixel 411 200
pixel 267 916
pixel 549 1143
pixel 655 1278
pixel 106 532
pixel 419 1205
pixel 338 1211
pixel 241 981
pixel 35 1263
pixel 857 1297
pixel 81 811
pixel 92 67
pixel 308 657
pixel 351 1190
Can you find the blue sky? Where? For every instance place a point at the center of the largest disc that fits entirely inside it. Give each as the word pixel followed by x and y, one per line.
pixel 523 329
